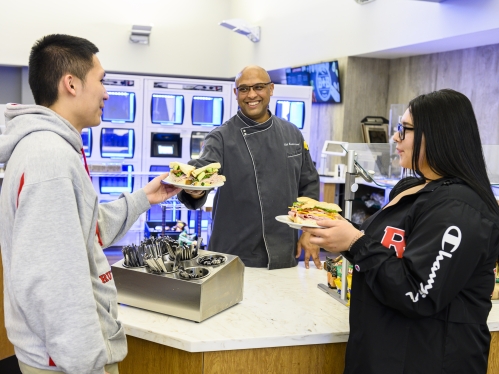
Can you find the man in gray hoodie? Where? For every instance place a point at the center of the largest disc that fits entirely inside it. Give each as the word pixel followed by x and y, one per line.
pixel 60 296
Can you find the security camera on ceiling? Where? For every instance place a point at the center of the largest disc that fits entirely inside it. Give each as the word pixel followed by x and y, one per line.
pixel 242 27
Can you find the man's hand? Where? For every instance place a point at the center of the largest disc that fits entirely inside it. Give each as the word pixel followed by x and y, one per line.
pixel 336 236
pixel 195 194
pixel 157 192
pixel 310 250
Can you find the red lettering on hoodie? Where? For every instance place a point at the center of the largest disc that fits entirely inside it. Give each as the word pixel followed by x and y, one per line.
pixel 106 277
pixel 394 239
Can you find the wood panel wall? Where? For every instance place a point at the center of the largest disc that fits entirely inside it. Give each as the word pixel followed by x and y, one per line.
pixel 369 86
pixel 472 71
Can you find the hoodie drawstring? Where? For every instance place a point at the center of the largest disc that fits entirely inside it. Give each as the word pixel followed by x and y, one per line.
pixel 88 172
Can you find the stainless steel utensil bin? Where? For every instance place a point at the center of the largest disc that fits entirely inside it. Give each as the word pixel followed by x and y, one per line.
pixel 195 299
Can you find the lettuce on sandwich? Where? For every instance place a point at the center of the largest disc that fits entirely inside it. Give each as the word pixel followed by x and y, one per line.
pixel 208 175
pixel 308 211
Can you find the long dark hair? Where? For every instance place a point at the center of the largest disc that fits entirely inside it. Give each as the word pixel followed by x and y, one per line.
pixel 452 140
pixel 53 56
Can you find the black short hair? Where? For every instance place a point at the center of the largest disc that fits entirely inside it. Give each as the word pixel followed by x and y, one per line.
pixel 453 147
pixel 53 56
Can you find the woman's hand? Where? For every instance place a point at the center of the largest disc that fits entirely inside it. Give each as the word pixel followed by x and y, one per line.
pixel 335 237
pixel 157 192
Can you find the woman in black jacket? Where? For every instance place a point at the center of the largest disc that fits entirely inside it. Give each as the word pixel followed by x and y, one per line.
pixel 424 264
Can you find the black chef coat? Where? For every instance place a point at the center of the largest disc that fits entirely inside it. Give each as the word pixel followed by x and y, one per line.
pixel 424 274
pixel 267 166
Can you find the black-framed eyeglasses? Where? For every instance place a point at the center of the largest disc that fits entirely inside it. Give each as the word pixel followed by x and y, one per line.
pixel 402 129
pixel 256 87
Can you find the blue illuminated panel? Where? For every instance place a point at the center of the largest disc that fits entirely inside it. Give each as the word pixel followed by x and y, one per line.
pixel 119 108
pixel 207 111
pixel 117 143
pixel 86 137
pixel 167 109
pixel 117 185
pixel 292 111
pixel 155 213
pixel 192 217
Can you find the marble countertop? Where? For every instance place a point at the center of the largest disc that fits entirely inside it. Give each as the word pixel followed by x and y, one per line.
pixel 280 308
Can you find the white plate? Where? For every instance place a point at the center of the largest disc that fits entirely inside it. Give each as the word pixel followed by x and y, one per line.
pixel 190 187
pixel 294 225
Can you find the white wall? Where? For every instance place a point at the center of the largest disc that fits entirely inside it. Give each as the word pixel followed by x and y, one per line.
pixel 186 38
pixel 297 32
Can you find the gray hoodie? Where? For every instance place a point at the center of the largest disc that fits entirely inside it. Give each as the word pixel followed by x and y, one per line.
pixel 60 296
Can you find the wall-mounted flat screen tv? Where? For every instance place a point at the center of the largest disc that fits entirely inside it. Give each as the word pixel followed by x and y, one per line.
pixel 86 138
pixel 292 111
pixel 117 185
pixel 323 77
pixel 119 108
pixel 207 111
pixel 167 109
pixel 117 143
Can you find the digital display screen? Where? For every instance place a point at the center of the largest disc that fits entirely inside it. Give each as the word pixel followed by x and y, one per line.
pixel 86 138
pixel 117 185
pixel 167 109
pixel 298 76
pixel 166 145
pixel 292 111
pixel 207 111
pixel 119 108
pixel 165 149
pixel 117 143
pixel 197 143
pixel 323 77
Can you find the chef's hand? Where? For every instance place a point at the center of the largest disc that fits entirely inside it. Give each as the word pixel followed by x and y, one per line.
pixel 195 194
pixel 157 192
pixel 337 236
pixel 310 250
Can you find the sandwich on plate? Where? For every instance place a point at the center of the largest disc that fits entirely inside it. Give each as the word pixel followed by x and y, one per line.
pixel 309 211
pixel 187 174
pixel 208 175
pixel 180 173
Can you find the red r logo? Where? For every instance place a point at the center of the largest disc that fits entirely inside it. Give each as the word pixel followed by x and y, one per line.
pixel 394 238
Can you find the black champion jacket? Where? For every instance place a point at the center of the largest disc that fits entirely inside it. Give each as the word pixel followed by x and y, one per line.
pixel 424 274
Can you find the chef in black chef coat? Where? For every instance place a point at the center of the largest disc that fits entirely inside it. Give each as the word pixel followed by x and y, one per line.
pixel 267 166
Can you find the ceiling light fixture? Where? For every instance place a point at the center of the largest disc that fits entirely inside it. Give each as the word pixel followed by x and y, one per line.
pixel 242 27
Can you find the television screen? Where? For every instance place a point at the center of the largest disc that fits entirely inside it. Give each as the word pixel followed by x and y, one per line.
pixel 119 108
pixel 166 145
pixel 86 138
pixel 298 76
pixel 117 185
pixel 207 111
pixel 167 109
pixel 323 77
pixel 117 143
pixel 197 143
pixel 292 111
